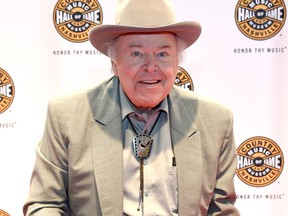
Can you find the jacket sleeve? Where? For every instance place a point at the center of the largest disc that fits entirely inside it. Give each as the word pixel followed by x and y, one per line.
pixel 49 181
pixel 224 196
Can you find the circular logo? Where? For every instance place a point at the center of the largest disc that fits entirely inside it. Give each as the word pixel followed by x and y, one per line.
pixel 3 213
pixel 74 19
pixel 7 90
pixel 260 161
pixel 260 19
pixel 184 80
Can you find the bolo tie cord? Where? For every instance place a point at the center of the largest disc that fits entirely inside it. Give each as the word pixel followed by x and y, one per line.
pixel 141 161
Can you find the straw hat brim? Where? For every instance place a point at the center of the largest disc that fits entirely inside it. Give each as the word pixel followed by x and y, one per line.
pixel 103 35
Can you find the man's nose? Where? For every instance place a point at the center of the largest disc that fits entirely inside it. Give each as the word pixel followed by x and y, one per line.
pixel 150 63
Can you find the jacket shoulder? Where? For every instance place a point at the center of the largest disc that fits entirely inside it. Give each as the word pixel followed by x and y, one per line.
pixel 191 99
pixel 81 97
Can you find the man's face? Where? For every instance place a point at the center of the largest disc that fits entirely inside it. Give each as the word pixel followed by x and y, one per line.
pixel 146 65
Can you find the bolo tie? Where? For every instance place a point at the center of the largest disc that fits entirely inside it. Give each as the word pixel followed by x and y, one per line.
pixel 142 145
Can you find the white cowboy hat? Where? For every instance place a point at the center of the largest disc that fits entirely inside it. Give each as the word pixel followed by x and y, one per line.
pixel 143 16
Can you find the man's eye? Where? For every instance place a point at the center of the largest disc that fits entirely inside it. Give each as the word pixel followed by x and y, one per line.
pixel 162 54
pixel 136 53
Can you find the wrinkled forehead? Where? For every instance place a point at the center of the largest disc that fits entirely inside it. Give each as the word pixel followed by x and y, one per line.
pixel 160 39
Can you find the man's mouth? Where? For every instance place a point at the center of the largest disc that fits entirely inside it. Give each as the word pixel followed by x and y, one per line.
pixel 150 81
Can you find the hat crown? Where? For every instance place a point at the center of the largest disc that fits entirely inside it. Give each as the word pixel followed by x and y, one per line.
pixel 144 13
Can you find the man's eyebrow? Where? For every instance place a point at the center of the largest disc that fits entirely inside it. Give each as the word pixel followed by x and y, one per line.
pixel 164 46
pixel 132 45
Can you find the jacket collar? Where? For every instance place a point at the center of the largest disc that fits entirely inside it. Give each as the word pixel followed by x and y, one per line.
pixel 108 106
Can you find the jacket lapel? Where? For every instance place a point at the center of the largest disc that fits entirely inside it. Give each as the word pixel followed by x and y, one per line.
pixel 107 151
pixel 188 154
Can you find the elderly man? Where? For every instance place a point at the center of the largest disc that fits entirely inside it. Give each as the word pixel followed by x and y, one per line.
pixel 136 144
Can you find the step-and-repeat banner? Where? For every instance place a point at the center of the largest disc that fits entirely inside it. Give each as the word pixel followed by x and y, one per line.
pixel 240 60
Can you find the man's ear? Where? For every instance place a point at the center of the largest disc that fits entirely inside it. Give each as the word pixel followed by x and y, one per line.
pixel 114 67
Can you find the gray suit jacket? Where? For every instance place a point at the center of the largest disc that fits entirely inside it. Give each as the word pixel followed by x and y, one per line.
pixel 78 168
